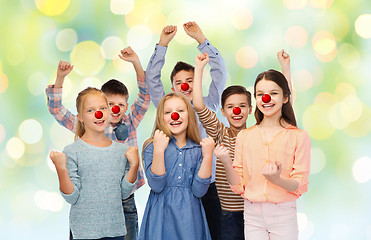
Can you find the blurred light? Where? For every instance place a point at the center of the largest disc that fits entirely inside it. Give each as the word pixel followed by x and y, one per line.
pixel 295 4
pixel 242 18
pixel 87 58
pixel 178 18
pixel 348 56
pixel 2 133
pixel 318 160
pixel 324 46
pixel 50 164
pixel 307 232
pixel 362 26
pixel 15 54
pixel 121 65
pixel 344 89
pixel 36 83
pixel 121 7
pixel 362 169
pixel 51 201
pixel 139 37
pixel 3 82
pixel 316 121
pixel 303 80
pixel 91 82
pixel 302 221
pixel 360 127
pixel 66 39
pixel 336 118
pixel 339 232
pixel 60 136
pixel 15 148
pixel 296 36
pixel 110 46
pixel 30 131
pixel 351 108
pixel 52 7
pixel 246 57
pixel 321 3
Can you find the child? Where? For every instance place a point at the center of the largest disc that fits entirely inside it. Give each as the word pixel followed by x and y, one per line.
pixel 95 173
pixel 178 170
pixel 182 75
pixel 122 128
pixel 236 106
pixel 271 162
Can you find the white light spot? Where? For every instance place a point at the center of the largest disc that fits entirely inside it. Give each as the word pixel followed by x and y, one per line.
pixel 121 7
pixel 30 131
pixel 37 83
pixel 318 160
pixel 339 232
pixel 110 47
pixel 139 37
pixel 15 148
pixel 362 169
pixel 66 39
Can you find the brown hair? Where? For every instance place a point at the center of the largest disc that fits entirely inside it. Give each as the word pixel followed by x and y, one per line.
pixel 80 128
pixel 192 129
pixel 181 66
pixel 235 89
pixel 287 111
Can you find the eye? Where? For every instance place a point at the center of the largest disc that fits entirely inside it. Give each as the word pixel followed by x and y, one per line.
pixel 167 112
pixel 259 94
pixel 229 107
pixel 190 81
pixel 122 105
pixel 110 104
pixel 104 108
pixel 90 110
pixel 181 110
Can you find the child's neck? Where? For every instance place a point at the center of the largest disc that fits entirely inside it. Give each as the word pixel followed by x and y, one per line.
pixel 181 141
pixel 97 139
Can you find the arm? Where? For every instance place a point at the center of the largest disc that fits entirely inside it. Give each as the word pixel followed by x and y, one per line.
pixel 198 101
pixel 218 70
pixel 238 165
pixel 222 153
pixel 157 61
pixel 54 99
pixel 60 162
pixel 284 60
pixel 131 169
pixel 141 104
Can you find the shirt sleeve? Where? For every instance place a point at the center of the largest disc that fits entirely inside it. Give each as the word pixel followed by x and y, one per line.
pixel 218 74
pixel 238 165
pixel 126 187
pixel 63 116
pixel 153 74
pixel 72 167
pixel 200 185
pixel 138 110
pixel 155 182
pixel 301 165
pixel 210 122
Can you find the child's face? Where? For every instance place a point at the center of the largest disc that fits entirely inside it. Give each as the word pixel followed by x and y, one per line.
pixel 120 101
pixel 272 108
pixel 237 121
pixel 91 105
pixel 183 77
pixel 177 127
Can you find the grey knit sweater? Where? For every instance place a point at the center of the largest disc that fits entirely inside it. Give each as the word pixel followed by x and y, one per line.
pixel 99 178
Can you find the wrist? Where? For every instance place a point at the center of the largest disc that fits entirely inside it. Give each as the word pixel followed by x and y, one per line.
pixel 163 43
pixel 201 39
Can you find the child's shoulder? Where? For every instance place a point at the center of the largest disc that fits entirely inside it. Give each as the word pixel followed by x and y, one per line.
pixel 248 130
pixel 119 145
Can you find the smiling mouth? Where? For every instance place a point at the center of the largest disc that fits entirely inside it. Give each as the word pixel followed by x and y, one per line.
pixel 99 123
pixel 187 92
pixel 268 105
pixel 177 123
pixel 237 117
pixel 115 115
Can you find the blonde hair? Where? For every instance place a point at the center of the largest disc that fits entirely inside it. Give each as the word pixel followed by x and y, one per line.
pixel 80 128
pixel 192 128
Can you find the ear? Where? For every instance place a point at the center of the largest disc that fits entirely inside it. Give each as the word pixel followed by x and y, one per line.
pixel 79 117
pixel 250 109
pixel 222 110
pixel 173 89
pixel 126 107
pixel 286 100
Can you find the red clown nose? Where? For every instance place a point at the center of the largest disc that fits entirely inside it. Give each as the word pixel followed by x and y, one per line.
pixel 115 109
pixel 266 98
pixel 236 110
pixel 98 114
pixel 175 116
pixel 184 86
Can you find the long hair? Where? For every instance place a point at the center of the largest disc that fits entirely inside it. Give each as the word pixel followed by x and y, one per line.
pixel 192 129
pixel 80 128
pixel 287 112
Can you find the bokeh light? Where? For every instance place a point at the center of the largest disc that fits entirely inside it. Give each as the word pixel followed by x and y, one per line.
pixel 111 46
pixel 348 56
pixel 51 201
pixel 2 133
pixel 324 46
pixel 242 19
pixel 321 3
pixel 3 82
pixel 36 83
pixel 318 160
pixel 15 54
pixel 15 148
pixel 139 37
pixel 339 232
pixel 295 4
pixel 121 7
pixel 30 131
pixel 87 58
pixel 296 36
pixel 361 169
pixel 303 80
pixel 362 26
pixel 52 7
pixel 66 39
pixel 246 57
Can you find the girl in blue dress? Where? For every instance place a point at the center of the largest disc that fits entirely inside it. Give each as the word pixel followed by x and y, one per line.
pixel 178 169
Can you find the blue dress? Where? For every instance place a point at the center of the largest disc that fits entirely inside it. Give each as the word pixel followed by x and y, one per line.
pixel 174 209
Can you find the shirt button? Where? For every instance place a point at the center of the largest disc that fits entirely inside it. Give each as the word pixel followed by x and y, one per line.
pixel 180 164
pixel 179 177
pixel 180 153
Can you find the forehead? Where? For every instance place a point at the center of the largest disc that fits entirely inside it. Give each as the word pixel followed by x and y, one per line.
pixel 174 102
pixel 183 74
pixel 266 85
pixel 117 98
pixel 94 99
pixel 236 99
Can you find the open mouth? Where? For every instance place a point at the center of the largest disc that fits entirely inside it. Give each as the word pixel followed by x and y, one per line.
pixel 175 123
pixel 99 122
pixel 187 92
pixel 115 115
pixel 237 118
pixel 268 105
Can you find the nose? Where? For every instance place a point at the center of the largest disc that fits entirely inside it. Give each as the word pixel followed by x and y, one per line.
pixel 115 109
pixel 98 114
pixel 266 98
pixel 175 116
pixel 236 110
pixel 184 86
